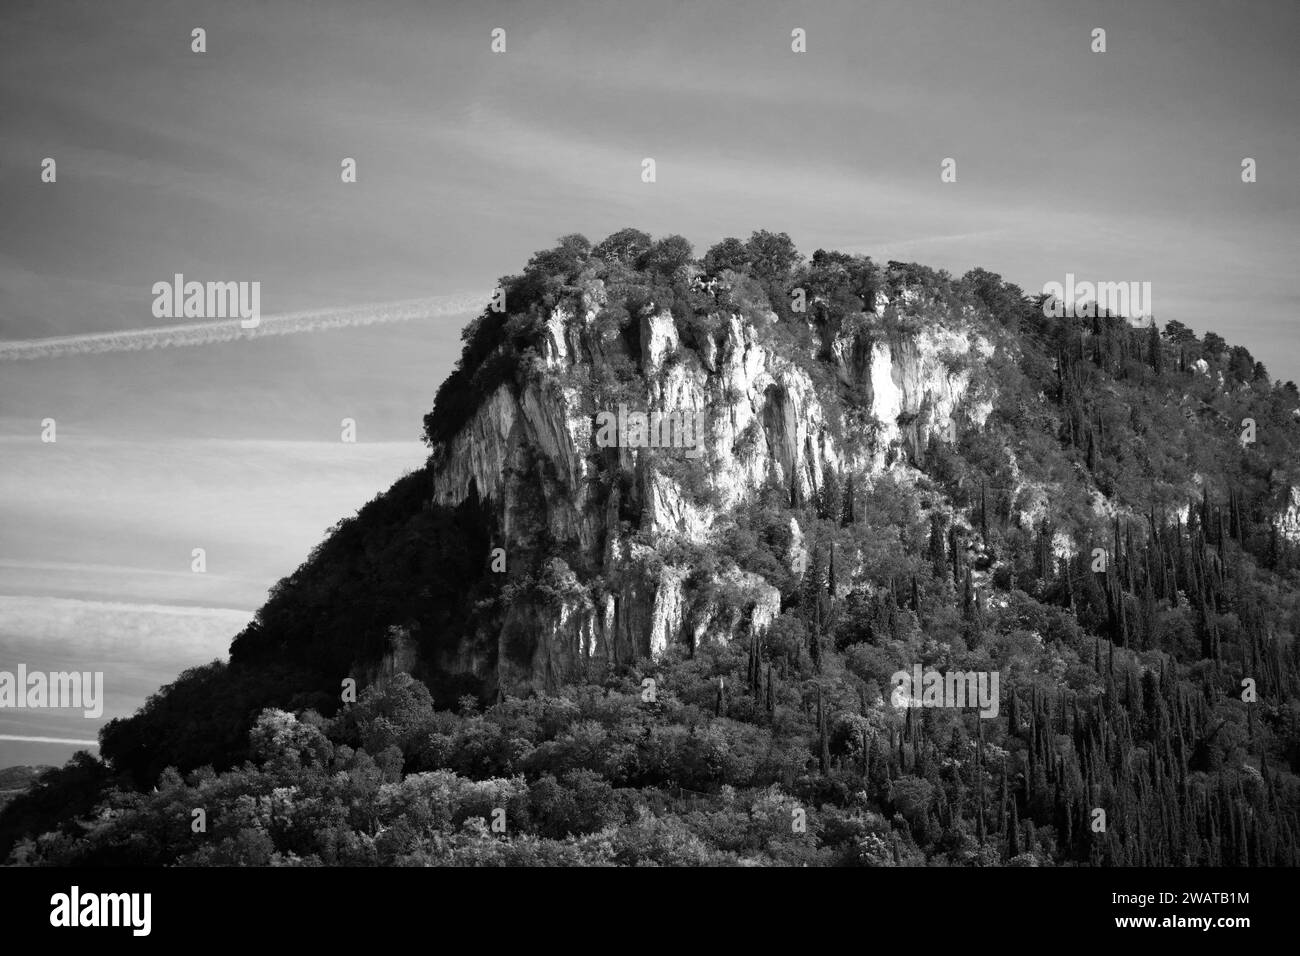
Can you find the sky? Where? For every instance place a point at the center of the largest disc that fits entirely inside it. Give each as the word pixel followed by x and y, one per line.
pixel 225 165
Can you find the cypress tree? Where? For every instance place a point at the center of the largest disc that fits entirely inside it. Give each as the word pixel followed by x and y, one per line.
pixel 1042 551
pixel 956 555
pixel 824 752
pixel 938 556
pixel 984 511
pixel 1157 353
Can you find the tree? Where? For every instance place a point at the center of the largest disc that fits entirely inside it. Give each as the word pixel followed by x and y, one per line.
pixel 772 255
pixel 1213 344
pixel 626 246
pixel 667 254
pixel 1241 364
pixel 1178 333
pixel 911 796
pixel 565 259
pixel 286 744
pixel 1157 351
pixel 848 514
pixel 845 283
pixel 730 253
pixel 1004 300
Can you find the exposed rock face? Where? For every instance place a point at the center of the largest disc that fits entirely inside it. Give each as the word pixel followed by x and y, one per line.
pixel 401 656
pixel 658 339
pixel 1288 520
pixel 797 556
pixel 530 453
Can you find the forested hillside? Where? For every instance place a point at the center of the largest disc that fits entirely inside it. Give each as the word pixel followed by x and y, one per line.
pixel 679 661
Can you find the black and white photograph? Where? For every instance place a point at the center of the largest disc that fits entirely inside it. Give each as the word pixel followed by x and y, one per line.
pixel 603 437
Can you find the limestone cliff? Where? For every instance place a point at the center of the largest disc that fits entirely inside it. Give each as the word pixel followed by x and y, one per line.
pixel 529 453
pixel 1288 519
pixel 642 453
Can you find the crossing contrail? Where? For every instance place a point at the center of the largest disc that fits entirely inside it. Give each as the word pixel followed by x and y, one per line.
pixel 50 740
pixel 228 330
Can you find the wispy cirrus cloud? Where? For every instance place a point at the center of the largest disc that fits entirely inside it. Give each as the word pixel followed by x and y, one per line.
pixel 257 507
pixel 113 629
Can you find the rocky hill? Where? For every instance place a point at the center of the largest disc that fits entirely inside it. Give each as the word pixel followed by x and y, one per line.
pixel 736 495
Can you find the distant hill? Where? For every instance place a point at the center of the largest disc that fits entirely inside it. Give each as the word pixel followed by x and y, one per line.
pixel 14 780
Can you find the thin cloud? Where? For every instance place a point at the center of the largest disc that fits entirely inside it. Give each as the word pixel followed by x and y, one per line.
pixel 36 626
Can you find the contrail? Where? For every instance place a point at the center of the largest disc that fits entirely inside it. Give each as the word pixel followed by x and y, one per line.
pixel 50 740
pixel 228 330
